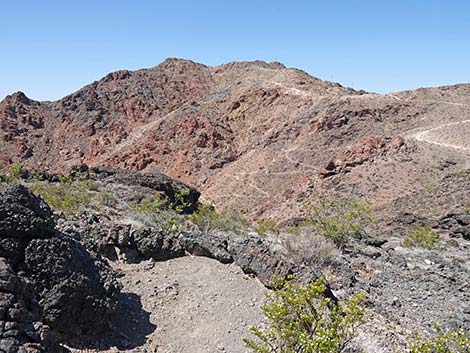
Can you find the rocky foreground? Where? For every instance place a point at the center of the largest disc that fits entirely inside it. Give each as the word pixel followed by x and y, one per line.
pixel 113 278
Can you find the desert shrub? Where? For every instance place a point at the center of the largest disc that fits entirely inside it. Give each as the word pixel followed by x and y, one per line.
pixel 15 170
pixel 69 198
pixel 300 321
pixel 456 341
pixel 339 219
pixel 310 249
pixel 266 226
pixel 150 204
pixel 107 199
pixel 159 210
pixel 207 219
pixel 422 237
pixel 178 203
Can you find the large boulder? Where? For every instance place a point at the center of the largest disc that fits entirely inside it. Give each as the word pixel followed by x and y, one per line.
pixel 214 246
pixel 21 327
pixel 132 242
pixel 75 289
pixel 23 217
pixel 456 224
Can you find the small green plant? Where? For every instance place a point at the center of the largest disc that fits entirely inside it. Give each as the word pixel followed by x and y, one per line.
pixel 456 341
pixel 14 171
pixel 339 219
pixel 266 226
pixel 178 202
pixel 107 199
pixel 160 210
pixel 301 320
pixel 150 204
pixel 422 237
pixel 207 219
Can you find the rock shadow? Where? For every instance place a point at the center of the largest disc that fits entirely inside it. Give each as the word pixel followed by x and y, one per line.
pixel 128 328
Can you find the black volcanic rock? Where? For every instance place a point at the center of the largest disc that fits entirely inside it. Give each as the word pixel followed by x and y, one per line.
pixel 76 289
pixel 21 327
pixel 68 287
pixel 23 215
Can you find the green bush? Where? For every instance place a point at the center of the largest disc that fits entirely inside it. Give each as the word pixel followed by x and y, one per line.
pixel 339 219
pixel 70 198
pixel 178 203
pixel 107 199
pixel 159 209
pixel 266 226
pixel 150 204
pixel 456 341
pixel 422 237
pixel 300 321
pixel 207 219
pixel 14 171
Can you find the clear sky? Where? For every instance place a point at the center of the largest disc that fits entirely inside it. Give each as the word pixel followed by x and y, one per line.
pixel 50 48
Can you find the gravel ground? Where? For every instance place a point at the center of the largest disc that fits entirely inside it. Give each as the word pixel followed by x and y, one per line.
pixel 172 307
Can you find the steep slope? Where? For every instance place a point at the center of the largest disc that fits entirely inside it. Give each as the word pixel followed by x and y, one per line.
pixel 255 137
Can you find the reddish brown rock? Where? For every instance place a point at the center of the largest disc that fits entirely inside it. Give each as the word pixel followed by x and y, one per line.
pixel 244 133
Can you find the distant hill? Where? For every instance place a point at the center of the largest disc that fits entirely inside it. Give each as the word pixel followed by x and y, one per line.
pixel 255 137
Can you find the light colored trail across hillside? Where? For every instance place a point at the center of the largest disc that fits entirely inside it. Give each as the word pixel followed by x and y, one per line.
pixel 454 135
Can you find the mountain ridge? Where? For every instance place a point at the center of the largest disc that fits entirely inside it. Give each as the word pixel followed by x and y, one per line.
pixel 254 137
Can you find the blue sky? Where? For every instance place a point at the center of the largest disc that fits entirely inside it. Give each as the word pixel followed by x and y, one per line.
pixel 51 48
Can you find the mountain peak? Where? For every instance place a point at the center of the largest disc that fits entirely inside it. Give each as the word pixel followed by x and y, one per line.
pixel 18 97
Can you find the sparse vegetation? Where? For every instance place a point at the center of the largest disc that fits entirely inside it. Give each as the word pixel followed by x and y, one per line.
pixel 310 249
pixel 107 199
pixel 207 219
pixel 150 204
pixel 14 171
pixel 159 209
pixel 266 226
pixel 300 321
pixel 337 219
pixel 456 341
pixel 178 203
pixel 69 198
pixel 422 237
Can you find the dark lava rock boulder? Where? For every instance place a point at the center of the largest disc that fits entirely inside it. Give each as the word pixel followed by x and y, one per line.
pixel 457 224
pixel 257 256
pixel 214 246
pixel 178 194
pixel 23 216
pixel 76 290
pixel 113 241
pixel 21 327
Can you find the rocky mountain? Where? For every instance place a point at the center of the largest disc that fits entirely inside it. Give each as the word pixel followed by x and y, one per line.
pixel 254 137
pixel 107 243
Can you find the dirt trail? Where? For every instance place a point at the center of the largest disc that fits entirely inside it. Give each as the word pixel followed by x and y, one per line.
pixel 454 135
pixel 187 305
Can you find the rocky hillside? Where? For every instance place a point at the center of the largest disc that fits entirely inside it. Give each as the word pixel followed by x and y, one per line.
pixel 137 257
pixel 254 137
pixel 105 223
